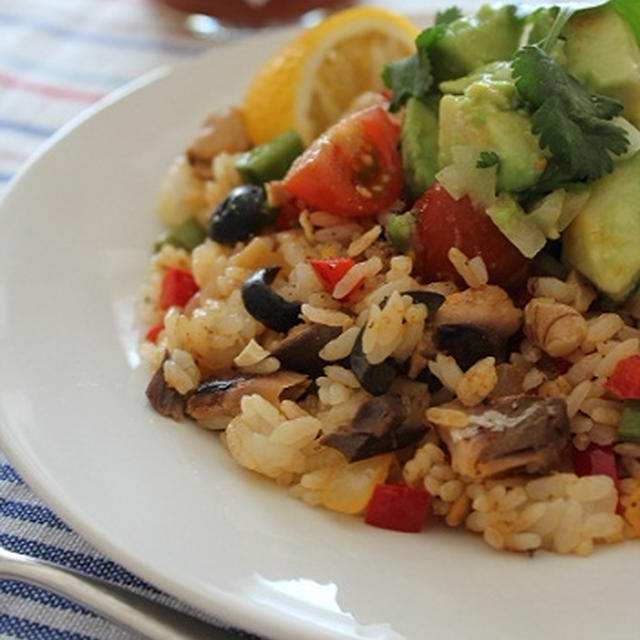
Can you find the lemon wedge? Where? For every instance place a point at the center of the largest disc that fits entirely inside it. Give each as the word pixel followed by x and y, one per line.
pixel 310 83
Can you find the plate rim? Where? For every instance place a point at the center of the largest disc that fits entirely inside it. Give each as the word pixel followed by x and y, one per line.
pixel 231 611
pixel 239 612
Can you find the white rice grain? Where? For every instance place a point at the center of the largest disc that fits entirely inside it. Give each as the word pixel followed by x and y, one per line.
pixel 357 274
pixel 264 367
pixel 324 219
pixel 451 418
pixel 619 352
pixel 548 287
pixel 583 369
pixel 359 245
pixel 446 369
pixel 340 347
pixel 577 396
pixel 603 327
pixel 342 375
pixel 251 354
pixel 477 382
pixel 326 316
pixel 472 271
pixel 532 379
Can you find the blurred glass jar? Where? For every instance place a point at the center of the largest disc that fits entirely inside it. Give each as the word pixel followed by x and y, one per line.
pixel 253 13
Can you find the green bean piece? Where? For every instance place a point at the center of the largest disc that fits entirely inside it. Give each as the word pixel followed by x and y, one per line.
pixel 271 160
pixel 629 428
pixel 187 235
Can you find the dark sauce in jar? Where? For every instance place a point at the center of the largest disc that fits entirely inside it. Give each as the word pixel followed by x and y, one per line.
pixel 253 13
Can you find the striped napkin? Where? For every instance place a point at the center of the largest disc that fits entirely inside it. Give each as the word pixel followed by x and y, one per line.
pixel 57 57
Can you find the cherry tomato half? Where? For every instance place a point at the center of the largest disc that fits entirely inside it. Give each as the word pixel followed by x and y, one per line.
pixel 442 223
pixel 353 169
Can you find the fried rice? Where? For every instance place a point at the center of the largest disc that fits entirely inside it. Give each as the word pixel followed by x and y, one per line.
pixel 214 335
pixel 291 404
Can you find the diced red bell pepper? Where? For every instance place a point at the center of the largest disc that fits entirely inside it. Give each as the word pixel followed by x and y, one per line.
pixel 624 382
pixel 178 287
pixel 595 460
pixel 331 270
pixel 398 507
pixel 152 334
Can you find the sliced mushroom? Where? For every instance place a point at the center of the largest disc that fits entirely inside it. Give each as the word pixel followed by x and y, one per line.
pixel 222 130
pixel 381 425
pixel 222 396
pixel 510 381
pixel 299 350
pixel 522 432
pixel 266 305
pixel 163 398
pixel 475 323
pixel 488 308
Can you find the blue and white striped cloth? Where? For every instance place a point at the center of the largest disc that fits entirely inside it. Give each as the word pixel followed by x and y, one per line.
pixel 59 56
pixel 56 58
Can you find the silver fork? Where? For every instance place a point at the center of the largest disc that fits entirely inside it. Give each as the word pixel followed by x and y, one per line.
pixel 124 608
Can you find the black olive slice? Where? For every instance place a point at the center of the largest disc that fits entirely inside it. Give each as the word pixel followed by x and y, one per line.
pixel 465 343
pixel 432 300
pixel 374 378
pixel 300 351
pixel 239 216
pixel 267 306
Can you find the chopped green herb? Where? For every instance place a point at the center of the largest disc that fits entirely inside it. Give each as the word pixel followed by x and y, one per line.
pixel 488 159
pixel 412 76
pixel 448 15
pixel 573 123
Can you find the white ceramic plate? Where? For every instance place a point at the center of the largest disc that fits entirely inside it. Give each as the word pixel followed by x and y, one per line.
pixel 164 499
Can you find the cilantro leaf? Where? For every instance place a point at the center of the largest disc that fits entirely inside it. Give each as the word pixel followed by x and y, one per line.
pixel 571 122
pixel 448 15
pixel 488 159
pixel 408 77
pixel 412 76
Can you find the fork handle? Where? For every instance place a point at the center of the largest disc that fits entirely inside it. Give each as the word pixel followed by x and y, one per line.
pixel 124 608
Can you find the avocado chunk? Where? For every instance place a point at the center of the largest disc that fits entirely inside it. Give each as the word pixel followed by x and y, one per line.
pixel 484 117
pixel 602 52
pixel 472 41
pixel 603 241
pixel 541 21
pixel 420 145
